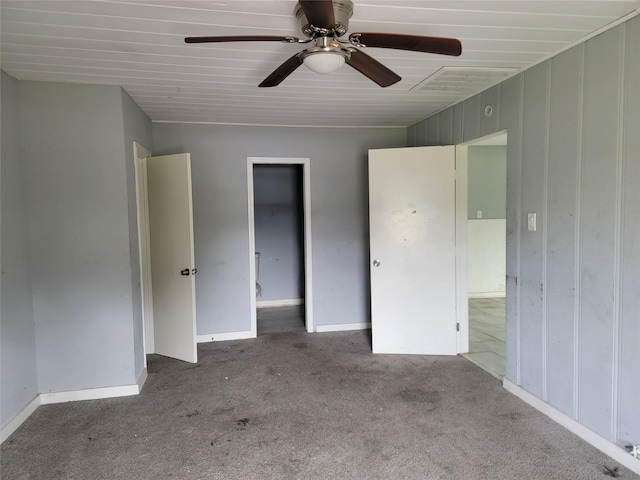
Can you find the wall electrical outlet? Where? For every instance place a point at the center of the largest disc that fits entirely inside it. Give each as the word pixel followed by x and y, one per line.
pixel 479 214
pixel 531 222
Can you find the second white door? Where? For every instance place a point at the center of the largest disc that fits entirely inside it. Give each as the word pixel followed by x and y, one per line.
pixel 412 215
pixel 172 256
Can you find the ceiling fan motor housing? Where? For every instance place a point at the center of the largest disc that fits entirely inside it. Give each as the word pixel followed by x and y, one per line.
pixel 342 10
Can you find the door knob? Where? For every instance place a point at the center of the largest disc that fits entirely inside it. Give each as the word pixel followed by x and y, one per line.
pixel 194 271
pixel 376 263
pixel 185 272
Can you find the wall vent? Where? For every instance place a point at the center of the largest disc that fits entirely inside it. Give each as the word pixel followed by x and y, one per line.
pixel 464 80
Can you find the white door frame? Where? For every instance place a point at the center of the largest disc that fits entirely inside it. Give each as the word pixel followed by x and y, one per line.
pixel 140 155
pixel 462 213
pixel 308 290
pixel 462 300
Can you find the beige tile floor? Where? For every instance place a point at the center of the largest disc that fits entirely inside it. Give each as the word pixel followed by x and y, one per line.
pixel 280 319
pixel 486 335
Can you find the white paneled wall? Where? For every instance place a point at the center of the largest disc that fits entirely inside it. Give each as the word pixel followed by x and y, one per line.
pixel 573 285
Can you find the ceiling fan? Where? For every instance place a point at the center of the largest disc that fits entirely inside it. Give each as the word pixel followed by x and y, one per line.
pixel 324 22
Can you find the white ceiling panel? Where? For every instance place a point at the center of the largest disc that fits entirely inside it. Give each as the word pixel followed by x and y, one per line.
pixel 139 45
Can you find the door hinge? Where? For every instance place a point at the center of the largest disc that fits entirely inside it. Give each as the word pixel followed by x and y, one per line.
pixel 458 327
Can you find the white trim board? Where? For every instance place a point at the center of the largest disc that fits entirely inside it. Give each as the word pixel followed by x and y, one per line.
pixel 462 257
pixel 88 394
pixel 70 396
pixel 279 303
pixel 342 327
pixel 220 337
pixel 19 418
pixel 609 448
pixel 95 393
pixel 500 294
pixel 142 379
pixel 140 156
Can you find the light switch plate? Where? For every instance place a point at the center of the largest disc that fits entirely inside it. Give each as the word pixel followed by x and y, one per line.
pixel 531 222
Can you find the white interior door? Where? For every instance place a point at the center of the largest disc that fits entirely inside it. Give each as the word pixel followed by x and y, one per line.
pixel 172 258
pixel 412 215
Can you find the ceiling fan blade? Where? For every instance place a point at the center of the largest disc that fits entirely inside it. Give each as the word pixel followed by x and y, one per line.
pixel 243 38
pixel 415 43
pixel 282 72
pixel 373 69
pixel 319 13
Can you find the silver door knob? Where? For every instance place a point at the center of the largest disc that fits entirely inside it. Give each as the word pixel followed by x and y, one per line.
pixel 376 263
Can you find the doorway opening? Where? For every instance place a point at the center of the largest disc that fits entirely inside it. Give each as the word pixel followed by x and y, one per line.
pixel 486 252
pixel 280 245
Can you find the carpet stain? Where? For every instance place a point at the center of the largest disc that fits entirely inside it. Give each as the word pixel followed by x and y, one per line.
pixel 301 345
pixel 242 423
pixel 97 437
pixel 195 413
pixel 418 395
pixel 512 415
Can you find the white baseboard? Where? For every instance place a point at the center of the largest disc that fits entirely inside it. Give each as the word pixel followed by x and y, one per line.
pixel 70 396
pixel 487 294
pixel 342 327
pixel 142 379
pixel 280 303
pixel 19 418
pixel 89 394
pixel 619 454
pixel 219 337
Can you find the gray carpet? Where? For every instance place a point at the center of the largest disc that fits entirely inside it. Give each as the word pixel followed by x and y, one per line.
pixel 299 406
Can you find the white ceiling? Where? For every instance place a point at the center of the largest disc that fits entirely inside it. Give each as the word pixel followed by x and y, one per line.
pixel 140 46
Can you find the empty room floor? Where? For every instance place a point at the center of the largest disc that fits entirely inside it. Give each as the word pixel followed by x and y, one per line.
pixel 300 406
pixel 486 335
pixel 281 319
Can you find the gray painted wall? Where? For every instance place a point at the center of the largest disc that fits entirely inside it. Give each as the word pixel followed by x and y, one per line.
pixel 136 128
pixel 17 331
pixel 339 219
pixel 279 231
pixel 573 286
pixel 79 240
pixel 487 181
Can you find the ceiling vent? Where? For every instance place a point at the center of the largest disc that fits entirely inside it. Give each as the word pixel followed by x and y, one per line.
pixel 463 81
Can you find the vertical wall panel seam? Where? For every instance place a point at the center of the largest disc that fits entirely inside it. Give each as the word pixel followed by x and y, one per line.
pixel 426 133
pixel 462 110
pixel 545 234
pixel 497 109
pixel 454 140
pixel 425 128
pixel 619 243
pixel 519 235
pixel 577 309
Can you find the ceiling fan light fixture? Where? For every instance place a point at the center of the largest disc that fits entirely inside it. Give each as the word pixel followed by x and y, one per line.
pixel 324 61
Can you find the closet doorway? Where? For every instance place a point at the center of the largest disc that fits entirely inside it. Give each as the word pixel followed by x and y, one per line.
pixel 280 245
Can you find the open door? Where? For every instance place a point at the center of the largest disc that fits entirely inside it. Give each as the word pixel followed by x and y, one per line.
pixel 172 257
pixel 412 216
